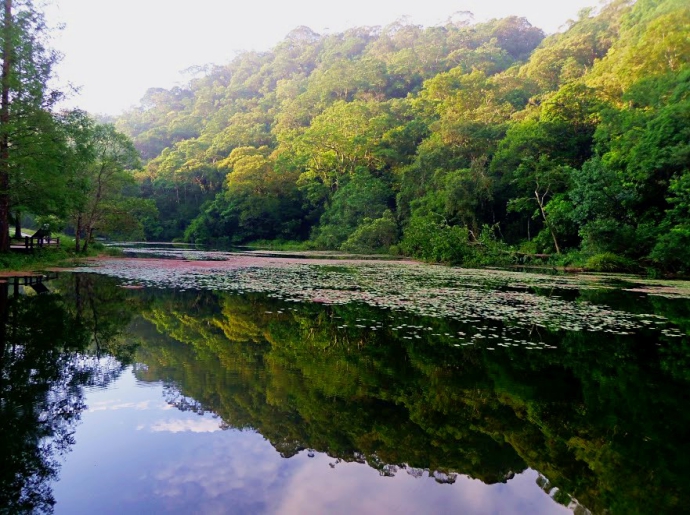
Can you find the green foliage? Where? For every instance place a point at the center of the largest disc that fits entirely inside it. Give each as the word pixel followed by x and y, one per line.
pixel 572 142
pixel 31 143
pixel 46 257
pixel 102 199
pixel 431 240
pixel 280 245
pixel 259 202
pixel 373 235
pixel 51 223
pixel 671 249
pixel 609 262
pixel 364 196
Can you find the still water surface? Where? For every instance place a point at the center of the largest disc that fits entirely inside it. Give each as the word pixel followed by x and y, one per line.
pixel 272 385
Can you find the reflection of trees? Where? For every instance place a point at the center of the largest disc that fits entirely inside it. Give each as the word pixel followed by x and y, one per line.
pixel 104 310
pixel 594 418
pixel 43 369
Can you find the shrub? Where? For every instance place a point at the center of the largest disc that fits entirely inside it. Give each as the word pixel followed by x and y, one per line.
pixel 672 250
pixel 373 235
pixel 430 240
pixel 362 197
pixel 609 262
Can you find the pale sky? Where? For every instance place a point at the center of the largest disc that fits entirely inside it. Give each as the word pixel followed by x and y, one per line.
pixel 115 50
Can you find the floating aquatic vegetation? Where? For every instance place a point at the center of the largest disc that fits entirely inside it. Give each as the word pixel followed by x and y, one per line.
pixel 470 296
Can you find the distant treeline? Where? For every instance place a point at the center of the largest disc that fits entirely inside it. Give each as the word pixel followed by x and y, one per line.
pixel 459 143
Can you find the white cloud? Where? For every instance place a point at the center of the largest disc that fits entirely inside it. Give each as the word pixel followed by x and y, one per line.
pixel 197 425
pixel 116 404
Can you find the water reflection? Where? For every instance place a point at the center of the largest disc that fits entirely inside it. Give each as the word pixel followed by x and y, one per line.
pixel 602 419
pixel 385 402
pixel 45 362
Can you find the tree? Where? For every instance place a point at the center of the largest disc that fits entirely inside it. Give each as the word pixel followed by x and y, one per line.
pixel 468 192
pixel 546 178
pixel 24 96
pixel 363 196
pixel 448 125
pixel 41 181
pixel 100 202
pixel 346 136
pixel 536 156
pixel 259 202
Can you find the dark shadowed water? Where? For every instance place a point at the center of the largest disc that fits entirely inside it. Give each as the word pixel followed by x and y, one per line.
pixel 298 387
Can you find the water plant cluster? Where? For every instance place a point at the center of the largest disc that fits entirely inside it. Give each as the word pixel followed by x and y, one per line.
pixel 517 301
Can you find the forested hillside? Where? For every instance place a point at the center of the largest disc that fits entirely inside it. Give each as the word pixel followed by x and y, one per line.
pixel 460 143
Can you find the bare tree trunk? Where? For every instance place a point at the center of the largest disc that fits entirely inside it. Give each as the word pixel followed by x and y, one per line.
pixel 18 225
pixel 4 122
pixel 88 231
pixel 92 221
pixel 540 201
pixel 77 234
pixel 4 315
pixel 87 239
pixel 77 295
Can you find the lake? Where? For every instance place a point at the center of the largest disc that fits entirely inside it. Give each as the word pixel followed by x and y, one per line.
pixel 179 381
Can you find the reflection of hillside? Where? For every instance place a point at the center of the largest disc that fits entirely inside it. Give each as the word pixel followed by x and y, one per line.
pixel 592 418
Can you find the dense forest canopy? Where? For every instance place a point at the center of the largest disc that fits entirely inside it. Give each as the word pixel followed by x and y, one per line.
pixel 461 143
pixel 444 142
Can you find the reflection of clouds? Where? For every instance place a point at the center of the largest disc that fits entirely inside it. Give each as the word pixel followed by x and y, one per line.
pixel 116 404
pixel 235 473
pixel 356 488
pixel 199 425
pixel 239 472
pixel 177 462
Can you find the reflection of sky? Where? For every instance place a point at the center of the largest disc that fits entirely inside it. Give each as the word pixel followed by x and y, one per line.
pixel 134 454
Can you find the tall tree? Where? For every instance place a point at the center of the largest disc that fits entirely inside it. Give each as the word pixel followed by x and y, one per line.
pixel 4 126
pixel 27 63
pixel 100 202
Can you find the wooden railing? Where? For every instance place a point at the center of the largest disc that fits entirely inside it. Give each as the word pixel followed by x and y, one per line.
pixel 31 242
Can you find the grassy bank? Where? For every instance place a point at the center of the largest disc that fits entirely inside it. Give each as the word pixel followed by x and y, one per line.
pixel 280 245
pixel 43 258
pixel 490 253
